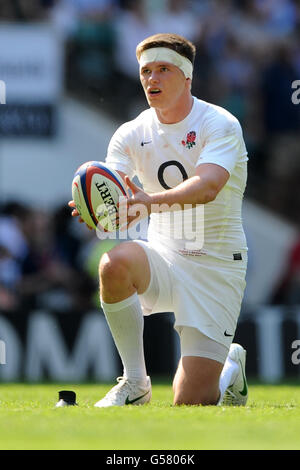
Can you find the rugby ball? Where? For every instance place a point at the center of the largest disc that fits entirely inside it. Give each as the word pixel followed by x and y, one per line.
pixel 96 190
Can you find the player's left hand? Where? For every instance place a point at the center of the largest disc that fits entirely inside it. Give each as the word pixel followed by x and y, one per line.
pixel 136 207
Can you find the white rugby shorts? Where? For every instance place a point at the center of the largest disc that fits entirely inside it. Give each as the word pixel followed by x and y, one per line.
pixel 204 292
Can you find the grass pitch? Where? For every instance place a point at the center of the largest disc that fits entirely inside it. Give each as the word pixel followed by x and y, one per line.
pixel 29 420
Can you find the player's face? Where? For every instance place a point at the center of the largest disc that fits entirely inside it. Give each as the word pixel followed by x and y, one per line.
pixel 164 84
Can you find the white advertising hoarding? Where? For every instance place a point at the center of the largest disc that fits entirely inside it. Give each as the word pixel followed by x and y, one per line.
pixel 31 63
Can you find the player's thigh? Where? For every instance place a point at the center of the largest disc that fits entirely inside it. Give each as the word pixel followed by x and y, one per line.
pixel 127 257
pixel 199 369
pixel 159 295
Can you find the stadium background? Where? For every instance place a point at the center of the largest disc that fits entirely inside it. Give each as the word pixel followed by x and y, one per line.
pixel 71 79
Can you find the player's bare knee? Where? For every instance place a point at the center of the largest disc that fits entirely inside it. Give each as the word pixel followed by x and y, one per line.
pixel 112 271
pixel 203 399
pixel 187 391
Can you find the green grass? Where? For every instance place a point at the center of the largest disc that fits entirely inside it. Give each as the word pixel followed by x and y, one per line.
pixel 29 420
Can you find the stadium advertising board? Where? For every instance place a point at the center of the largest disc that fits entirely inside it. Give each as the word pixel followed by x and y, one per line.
pixel 31 69
pixel 42 345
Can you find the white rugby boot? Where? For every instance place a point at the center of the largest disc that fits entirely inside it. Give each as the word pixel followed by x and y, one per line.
pixel 126 393
pixel 237 393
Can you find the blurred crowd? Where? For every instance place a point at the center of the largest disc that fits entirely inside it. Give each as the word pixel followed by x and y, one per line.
pixel 47 260
pixel 248 56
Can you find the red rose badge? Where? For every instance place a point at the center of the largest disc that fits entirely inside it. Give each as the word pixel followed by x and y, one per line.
pixel 190 140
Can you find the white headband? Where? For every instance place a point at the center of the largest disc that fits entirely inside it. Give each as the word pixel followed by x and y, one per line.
pixel 164 54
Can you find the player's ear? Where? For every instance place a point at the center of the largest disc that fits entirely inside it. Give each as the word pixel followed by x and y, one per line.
pixel 188 82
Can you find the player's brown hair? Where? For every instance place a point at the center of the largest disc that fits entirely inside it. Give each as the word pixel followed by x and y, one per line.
pixel 178 43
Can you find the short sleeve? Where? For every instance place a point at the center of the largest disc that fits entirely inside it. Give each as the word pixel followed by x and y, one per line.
pixel 118 152
pixel 224 143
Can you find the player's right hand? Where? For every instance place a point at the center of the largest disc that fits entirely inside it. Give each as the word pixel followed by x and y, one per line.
pixel 75 213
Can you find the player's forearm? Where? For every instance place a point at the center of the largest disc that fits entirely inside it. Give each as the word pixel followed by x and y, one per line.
pixel 193 191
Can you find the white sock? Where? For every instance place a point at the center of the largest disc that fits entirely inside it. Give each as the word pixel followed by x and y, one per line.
pixel 126 323
pixel 228 376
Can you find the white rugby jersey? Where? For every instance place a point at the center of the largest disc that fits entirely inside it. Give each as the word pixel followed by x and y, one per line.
pixel 164 155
